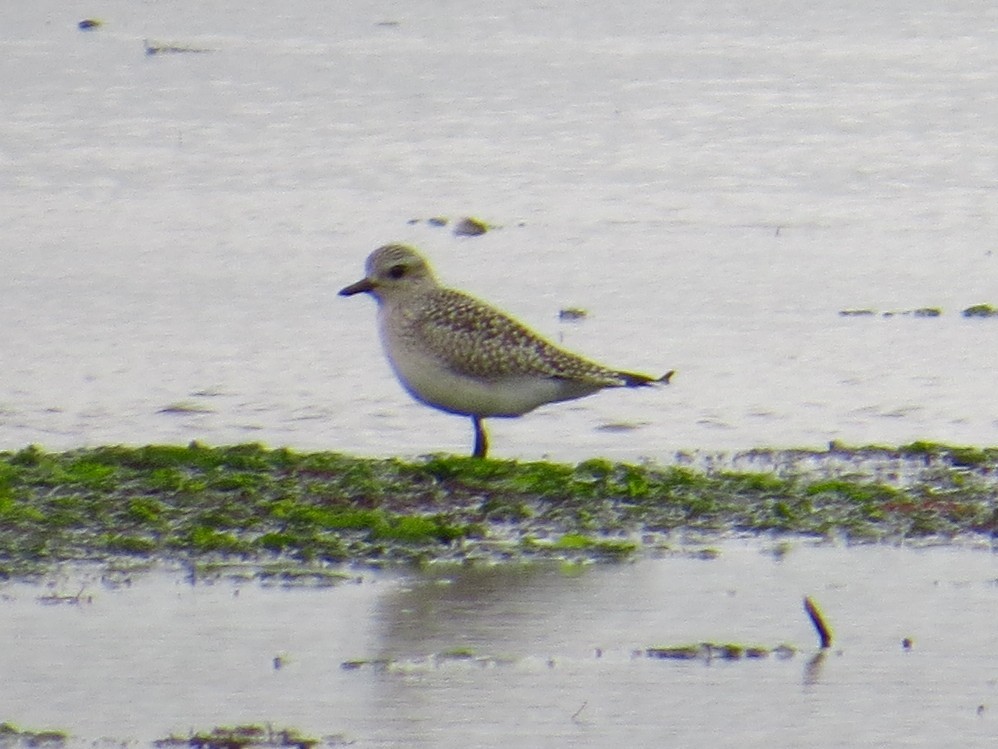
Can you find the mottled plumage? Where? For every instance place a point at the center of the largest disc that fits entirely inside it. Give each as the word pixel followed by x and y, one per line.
pixel 456 353
pixel 475 340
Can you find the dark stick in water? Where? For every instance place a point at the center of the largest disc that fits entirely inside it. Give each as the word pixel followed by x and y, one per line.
pixel 818 621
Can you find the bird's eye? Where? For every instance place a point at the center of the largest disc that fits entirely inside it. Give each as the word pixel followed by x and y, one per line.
pixel 396 271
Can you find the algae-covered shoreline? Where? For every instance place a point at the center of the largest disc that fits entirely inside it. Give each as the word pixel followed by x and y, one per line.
pixel 249 503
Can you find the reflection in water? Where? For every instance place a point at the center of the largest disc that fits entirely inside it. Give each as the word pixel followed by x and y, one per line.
pixel 472 608
pixel 527 656
pixel 812 669
pixel 570 669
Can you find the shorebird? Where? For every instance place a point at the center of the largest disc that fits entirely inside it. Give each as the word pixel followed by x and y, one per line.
pixel 456 353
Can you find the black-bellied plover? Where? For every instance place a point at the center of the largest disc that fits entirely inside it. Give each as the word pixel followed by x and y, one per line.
pixel 461 355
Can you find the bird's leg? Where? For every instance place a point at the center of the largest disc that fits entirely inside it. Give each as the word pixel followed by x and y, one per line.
pixel 481 439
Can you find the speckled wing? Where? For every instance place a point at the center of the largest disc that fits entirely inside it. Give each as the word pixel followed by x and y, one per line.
pixel 475 339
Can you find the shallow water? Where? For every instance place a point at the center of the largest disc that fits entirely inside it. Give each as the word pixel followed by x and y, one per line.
pixel 558 653
pixel 713 182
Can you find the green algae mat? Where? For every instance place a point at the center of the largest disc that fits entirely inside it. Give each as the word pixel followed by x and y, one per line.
pixel 195 503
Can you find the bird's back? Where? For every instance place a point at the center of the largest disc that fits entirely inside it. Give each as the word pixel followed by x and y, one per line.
pixel 472 338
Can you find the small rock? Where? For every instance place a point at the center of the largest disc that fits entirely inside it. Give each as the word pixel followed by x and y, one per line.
pixel 88 24
pixel 470 227
pixel 572 314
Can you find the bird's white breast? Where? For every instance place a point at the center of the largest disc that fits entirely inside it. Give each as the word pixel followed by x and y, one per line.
pixel 433 381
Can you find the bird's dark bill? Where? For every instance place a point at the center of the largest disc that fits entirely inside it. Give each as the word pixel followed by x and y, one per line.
pixel 357 288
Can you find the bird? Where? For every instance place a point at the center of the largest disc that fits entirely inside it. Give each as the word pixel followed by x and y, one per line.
pixel 461 355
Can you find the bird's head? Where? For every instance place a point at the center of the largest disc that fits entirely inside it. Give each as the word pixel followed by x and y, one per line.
pixel 392 271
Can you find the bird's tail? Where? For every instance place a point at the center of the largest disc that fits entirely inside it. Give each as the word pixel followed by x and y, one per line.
pixel 634 380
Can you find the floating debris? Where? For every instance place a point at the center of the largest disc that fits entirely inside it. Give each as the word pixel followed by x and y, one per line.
pixel 920 312
pixel 461 657
pixel 184 407
pixel 55 599
pixel 159 48
pixel 677 653
pixel 572 314
pixel 456 654
pixel 11 736
pixel 469 226
pixel 241 737
pixel 619 426
pixel 88 24
pixel 708 651
pixel 379 664
pixel 208 392
pixel 980 310
pixel 976 310
pixel 437 221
